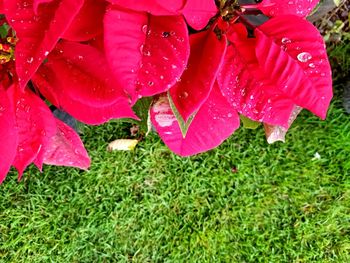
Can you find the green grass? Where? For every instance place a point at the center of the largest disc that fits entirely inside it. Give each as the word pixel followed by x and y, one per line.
pixel 245 201
pixel 279 205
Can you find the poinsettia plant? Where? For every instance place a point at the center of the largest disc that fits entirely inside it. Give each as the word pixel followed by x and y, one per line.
pixel 204 63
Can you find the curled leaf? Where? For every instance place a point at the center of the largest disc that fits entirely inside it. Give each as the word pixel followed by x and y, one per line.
pixel 276 133
pixel 66 149
pixel 122 145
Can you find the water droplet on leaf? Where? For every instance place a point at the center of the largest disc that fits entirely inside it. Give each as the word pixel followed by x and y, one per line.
pixel 304 57
pixel 165 34
pixel 286 40
pixel 30 59
pixel 144 29
pixel 184 95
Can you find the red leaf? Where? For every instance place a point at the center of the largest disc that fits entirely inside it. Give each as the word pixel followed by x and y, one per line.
pixel 97 42
pixel 248 89
pixel 199 12
pixel 292 52
pixel 194 87
pixel 37 3
pixel 284 7
pixel 6 79
pixel 35 125
pixel 98 115
pixel 8 134
pixel 215 121
pixel 50 87
pixel 146 53
pixel 83 27
pixel 38 34
pixel 84 74
pixel 90 94
pixel 66 148
pixel 44 81
pixel 154 7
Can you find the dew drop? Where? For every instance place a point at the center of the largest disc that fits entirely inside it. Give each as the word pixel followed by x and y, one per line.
pixel 184 95
pixel 147 53
pixel 286 40
pixel 180 39
pixel 304 57
pixel 144 29
pixel 30 59
pixel 27 108
pixel 141 48
pixel 165 34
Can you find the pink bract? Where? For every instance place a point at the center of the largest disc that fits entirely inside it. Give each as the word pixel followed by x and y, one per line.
pixel 214 122
pixel 265 72
pixel 204 63
pixel 51 21
pixel 147 53
pixel 72 76
pixel 8 134
pixel 196 83
pixel 147 42
pixel 66 148
pixel 300 8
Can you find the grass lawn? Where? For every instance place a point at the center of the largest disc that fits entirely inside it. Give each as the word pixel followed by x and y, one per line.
pixel 246 201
